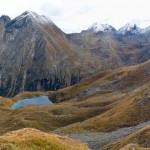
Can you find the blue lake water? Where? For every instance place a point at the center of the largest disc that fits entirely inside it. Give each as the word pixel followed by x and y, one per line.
pixel 40 100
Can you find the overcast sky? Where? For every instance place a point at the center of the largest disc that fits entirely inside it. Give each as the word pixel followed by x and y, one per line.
pixel 77 15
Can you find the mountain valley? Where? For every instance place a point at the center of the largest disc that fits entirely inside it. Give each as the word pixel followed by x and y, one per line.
pixel 98 82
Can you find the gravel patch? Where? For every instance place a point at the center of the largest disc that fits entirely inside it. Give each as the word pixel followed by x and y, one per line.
pixel 96 140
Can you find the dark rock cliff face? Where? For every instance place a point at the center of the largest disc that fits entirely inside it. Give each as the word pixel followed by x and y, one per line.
pixel 36 55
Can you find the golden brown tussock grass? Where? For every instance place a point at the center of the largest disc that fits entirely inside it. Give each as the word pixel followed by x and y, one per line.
pixel 132 107
pixel 130 110
pixel 140 139
pixel 117 105
pixel 129 76
pixel 102 78
pixel 32 139
pixel 5 103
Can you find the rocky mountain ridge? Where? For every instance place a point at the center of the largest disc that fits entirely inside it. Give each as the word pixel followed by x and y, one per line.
pixel 126 29
pixel 36 55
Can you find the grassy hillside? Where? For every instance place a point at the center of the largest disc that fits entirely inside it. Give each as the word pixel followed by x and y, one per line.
pixel 124 93
pixel 5 103
pixel 103 102
pixel 118 80
pixel 32 139
pixel 140 139
pixel 129 110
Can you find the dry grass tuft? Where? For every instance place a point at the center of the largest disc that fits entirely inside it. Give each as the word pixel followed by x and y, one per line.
pixel 32 139
pixel 5 103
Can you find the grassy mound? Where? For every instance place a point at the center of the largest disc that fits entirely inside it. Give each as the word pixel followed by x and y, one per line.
pixel 32 139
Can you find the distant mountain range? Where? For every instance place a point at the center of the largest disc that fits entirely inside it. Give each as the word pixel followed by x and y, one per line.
pixel 36 55
pixel 126 29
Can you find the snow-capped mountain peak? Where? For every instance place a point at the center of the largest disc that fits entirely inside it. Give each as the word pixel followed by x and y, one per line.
pixel 130 28
pixel 39 18
pixel 127 29
pixel 101 27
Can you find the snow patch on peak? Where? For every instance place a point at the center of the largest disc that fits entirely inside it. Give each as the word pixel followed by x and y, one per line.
pixel 101 27
pixel 39 18
pixel 129 27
